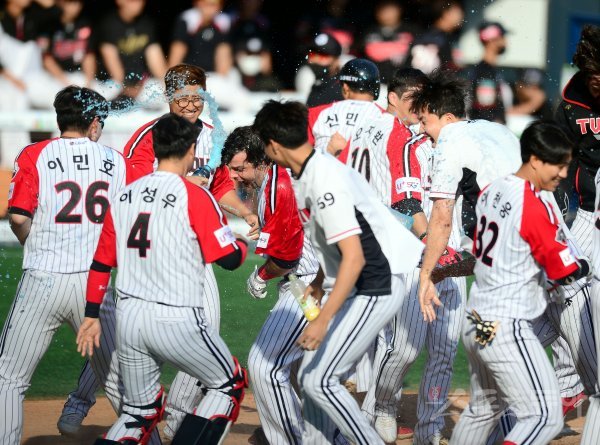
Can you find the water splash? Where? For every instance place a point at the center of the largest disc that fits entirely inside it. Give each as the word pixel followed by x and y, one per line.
pixel 218 135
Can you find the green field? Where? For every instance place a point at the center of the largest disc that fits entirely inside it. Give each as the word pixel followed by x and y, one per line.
pixel 241 320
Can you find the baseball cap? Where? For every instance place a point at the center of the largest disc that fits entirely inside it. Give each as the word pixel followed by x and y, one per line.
pixel 252 45
pixel 491 30
pixel 326 44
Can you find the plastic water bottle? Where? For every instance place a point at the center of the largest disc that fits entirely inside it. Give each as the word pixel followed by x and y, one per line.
pixel 309 306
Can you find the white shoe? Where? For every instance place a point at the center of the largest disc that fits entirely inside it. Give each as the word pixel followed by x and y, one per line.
pixel 387 428
pixel 69 424
pixel 438 439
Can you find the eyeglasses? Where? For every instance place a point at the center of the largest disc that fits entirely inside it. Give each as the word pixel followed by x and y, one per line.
pixel 184 101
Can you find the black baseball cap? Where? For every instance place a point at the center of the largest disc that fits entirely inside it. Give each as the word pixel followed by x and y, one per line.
pixel 326 44
pixel 491 30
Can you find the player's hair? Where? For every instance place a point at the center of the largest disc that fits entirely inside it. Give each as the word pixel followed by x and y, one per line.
pixel 443 93
pixel 178 76
pixel 587 54
pixel 283 122
pixel 77 107
pixel 547 141
pixel 244 139
pixel 406 79
pixel 172 136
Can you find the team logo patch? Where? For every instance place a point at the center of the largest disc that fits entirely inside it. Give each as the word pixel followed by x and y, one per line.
pixel 263 240
pixel 408 185
pixel 566 257
pixel 434 393
pixel 225 236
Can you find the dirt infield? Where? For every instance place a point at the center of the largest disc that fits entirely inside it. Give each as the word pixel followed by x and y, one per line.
pixel 41 417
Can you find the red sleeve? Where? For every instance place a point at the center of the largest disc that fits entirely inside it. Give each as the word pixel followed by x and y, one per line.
pixel 209 224
pixel 400 137
pixel 221 183
pixel 539 228
pixel 406 180
pixel 105 259
pixel 24 187
pixel 313 115
pixel 139 153
pixel 282 235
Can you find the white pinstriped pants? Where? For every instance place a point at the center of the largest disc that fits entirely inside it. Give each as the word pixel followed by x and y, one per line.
pixel 269 365
pixel 44 301
pixel 406 336
pixel 514 371
pixel 184 394
pixel 591 430
pixel 326 402
pixel 150 334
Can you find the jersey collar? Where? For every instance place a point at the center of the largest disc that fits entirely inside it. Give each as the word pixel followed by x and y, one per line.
pixel 305 163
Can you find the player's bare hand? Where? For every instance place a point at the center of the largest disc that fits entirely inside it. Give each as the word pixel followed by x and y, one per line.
pixel 313 335
pixel 336 144
pixel 88 336
pixel 315 290
pixel 198 180
pixel 428 297
pixel 252 220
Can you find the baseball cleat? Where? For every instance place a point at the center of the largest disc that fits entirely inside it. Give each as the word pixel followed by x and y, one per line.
pixel 570 403
pixel 69 424
pixel 258 437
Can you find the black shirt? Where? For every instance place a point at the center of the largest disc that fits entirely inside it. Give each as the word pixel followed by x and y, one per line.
pixel 201 43
pixel 487 95
pixel 579 113
pixel 70 43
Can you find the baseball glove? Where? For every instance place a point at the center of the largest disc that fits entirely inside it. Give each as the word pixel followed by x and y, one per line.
pixel 462 266
pixel 485 331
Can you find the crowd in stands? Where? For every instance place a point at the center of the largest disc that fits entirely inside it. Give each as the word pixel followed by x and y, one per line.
pixel 47 44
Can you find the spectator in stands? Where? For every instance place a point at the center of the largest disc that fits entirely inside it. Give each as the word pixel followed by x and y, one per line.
pixel 247 22
pixel 131 54
pixel 388 42
pixel 27 20
pixel 69 57
pixel 486 78
pixel 200 39
pixel 434 48
pixel 253 59
pixel 316 80
pixel 529 95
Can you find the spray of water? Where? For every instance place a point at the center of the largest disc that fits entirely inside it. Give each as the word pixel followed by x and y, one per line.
pixel 218 134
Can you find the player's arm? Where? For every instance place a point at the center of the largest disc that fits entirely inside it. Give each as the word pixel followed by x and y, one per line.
pixel 232 203
pixel 105 258
pixel 22 196
pixel 217 242
pixel 155 59
pixel 52 66
pixel 351 265
pixel 112 62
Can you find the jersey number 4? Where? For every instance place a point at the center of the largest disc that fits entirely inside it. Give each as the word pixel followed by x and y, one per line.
pixel 481 251
pixel 138 237
pixel 95 204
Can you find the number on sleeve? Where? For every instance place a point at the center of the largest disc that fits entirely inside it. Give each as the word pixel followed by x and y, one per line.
pixel 138 237
pixel 481 251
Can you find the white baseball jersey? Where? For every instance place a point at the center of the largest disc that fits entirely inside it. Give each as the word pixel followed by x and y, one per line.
pixel 375 152
pixel 596 237
pixel 517 238
pixel 65 185
pixel 345 205
pixel 139 229
pixel 281 234
pixel 345 117
pixel 139 155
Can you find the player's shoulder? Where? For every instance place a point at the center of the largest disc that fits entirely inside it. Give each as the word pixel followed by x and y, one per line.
pixel 33 151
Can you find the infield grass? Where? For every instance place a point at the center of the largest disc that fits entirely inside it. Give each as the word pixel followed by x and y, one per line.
pixel 241 319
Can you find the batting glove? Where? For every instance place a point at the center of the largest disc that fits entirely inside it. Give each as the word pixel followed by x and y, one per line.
pixel 257 287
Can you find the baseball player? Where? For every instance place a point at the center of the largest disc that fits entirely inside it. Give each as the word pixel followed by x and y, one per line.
pixel 160 315
pixel 58 199
pixel 361 266
pixel 518 239
pixel 287 251
pixel 591 429
pixel 182 83
pixel 360 83
pixel 407 333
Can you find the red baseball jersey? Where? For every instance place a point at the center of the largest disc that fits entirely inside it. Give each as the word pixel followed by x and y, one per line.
pixel 517 238
pixel 282 235
pixel 139 155
pixel 65 186
pixel 375 151
pixel 345 117
pixel 151 217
